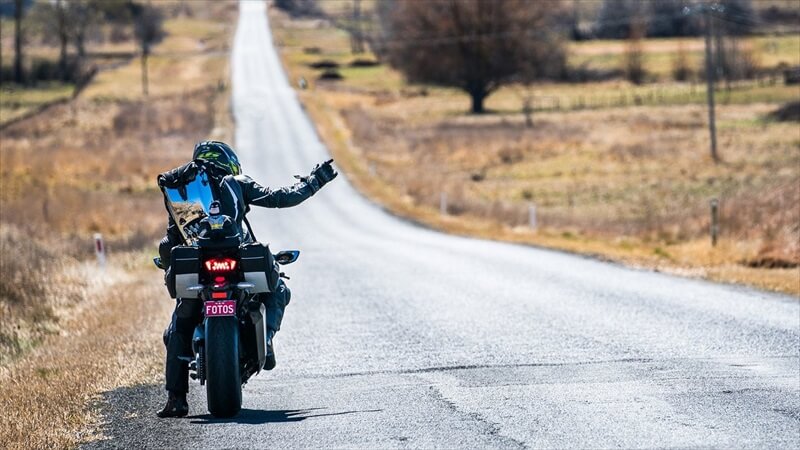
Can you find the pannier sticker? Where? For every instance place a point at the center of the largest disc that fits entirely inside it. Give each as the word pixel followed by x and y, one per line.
pixel 221 308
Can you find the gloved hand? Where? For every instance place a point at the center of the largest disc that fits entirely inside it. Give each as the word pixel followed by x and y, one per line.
pixel 179 176
pixel 324 172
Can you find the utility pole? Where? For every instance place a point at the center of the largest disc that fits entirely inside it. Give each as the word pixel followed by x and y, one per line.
pixel 145 81
pixel 1 52
pixel 712 125
pixel 18 10
pixel 356 38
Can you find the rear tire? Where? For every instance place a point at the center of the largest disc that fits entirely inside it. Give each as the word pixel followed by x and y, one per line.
pixel 223 381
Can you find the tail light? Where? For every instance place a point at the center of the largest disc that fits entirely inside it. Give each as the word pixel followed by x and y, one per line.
pixel 220 265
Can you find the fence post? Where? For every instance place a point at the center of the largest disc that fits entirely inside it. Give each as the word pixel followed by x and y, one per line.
pixel 532 216
pixel 714 221
pixel 100 249
pixel 443 203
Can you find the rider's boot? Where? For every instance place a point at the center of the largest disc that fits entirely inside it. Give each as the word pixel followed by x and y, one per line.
pixel 269 364
pixel 176 406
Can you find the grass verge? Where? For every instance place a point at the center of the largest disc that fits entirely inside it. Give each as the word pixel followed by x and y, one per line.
pixel 105 341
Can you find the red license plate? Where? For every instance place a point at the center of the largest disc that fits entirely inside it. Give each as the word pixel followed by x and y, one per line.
pixel 221 308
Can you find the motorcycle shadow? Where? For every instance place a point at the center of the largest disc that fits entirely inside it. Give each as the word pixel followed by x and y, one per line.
pixel 259 417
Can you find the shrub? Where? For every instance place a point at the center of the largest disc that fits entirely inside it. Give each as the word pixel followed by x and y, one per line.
pixel 324 64
pixel 331 75
pixel 680 65
pixel 361 62
pixel 790 112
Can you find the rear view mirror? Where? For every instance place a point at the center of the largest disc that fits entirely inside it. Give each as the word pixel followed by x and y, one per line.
pixel 287 257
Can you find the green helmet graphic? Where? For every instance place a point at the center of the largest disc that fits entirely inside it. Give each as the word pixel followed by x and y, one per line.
pixel 219 154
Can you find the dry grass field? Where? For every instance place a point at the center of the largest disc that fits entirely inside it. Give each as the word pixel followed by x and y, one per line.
pixel 87 166
pixel 659 53
pixel 627 183
pixel 95 346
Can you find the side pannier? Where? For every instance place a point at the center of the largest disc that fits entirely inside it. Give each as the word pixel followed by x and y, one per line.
pixel 258 267
pixel 184 271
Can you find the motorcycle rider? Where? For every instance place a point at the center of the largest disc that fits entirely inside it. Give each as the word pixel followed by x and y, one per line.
pixel 236 193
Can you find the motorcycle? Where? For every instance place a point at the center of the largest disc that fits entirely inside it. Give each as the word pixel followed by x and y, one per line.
pixel 228 271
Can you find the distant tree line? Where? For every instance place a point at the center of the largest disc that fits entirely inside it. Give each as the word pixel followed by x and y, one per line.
pixel 616 19
pixel 70 24
pixel 299 8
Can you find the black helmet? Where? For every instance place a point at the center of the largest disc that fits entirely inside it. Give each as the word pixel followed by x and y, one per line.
pixel 219 154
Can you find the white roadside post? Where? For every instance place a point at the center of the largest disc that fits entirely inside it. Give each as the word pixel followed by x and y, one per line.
pixel 443 203
pixel 532 216
pixel 100 249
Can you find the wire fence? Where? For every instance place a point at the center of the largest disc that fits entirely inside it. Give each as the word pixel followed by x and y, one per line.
pixel 659 94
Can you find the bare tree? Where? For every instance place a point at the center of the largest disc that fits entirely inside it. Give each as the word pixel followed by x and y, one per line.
pixel 680 65
pixel 530 72
pixel 734 19
pixel 50 19
pixel 63 37
pixel 475 45
pixel 356 35
pixel 19 11
pixel 614 19
pixel 634 56
pixel 149 30
pixel 81 16
pixel 1 52
pixel 666 19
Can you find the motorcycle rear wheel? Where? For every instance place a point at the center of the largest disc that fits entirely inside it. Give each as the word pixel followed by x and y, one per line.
pixel 223 381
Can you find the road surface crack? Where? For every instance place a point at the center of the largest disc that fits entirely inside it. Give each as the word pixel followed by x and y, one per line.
pixel 493 429
pixel 474 367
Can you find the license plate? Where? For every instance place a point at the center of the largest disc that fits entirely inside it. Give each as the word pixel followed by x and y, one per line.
pixel 221 308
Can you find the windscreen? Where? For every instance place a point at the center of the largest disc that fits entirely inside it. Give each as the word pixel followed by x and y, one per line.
pixel 188 204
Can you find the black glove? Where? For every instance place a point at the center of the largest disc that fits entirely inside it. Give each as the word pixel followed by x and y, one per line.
pixel 179 176
pixel 324 173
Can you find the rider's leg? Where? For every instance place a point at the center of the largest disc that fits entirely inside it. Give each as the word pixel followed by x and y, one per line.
pixel 187 315
pixel 179 343
pixel 170 327
pixel 275 303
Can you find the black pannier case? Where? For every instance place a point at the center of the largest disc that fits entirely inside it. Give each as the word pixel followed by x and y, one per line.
pixel 184 271
pixel 258 267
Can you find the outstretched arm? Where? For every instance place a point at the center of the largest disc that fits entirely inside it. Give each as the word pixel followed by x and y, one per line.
pixel 285 197
pixel 288 196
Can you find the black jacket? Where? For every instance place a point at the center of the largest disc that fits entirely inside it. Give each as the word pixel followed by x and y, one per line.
pixel 237 193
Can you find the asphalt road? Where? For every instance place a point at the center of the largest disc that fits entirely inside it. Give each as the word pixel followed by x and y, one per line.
pixel 403 337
